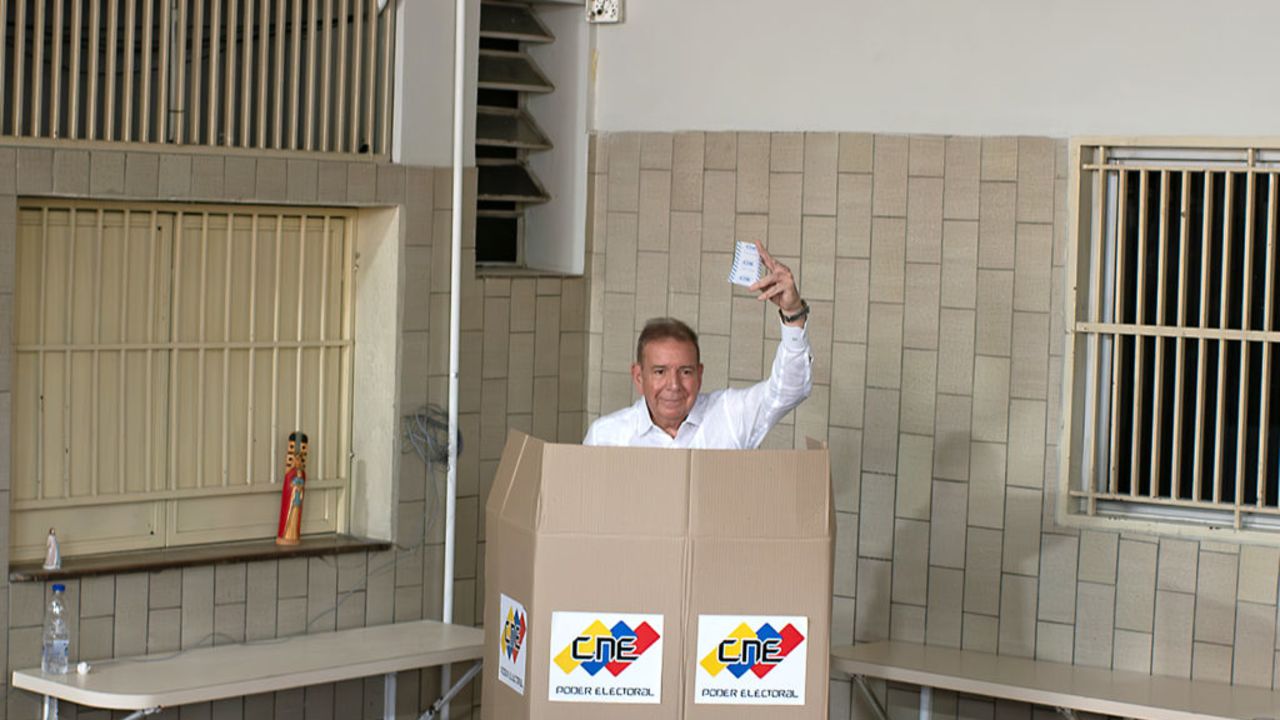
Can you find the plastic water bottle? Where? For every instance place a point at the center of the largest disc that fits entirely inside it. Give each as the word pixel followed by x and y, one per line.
pixel 57 637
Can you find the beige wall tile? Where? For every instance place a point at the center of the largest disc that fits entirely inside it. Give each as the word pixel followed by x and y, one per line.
pixel 303 176
pixel 888 260
pixel 786 152
pixel 846 468
pixel 272 180
pixel 624 172
pixel 240 179
pixel 1095 624
pixel 999 158
pixel 873 600
pixel 876 525
pixel 915 484
pixel 1054 642
pixel 924 220
pixel 1136 585
pixel 955 351
pixel 961 178
pixel 920 329
pixel 1215 598
pixel 655 210
pixel 685 257
pixel 715 297
pixel 1032 267
pixel 8 172
pixel 848 386
pixel 995 313
pixel 753 172
pixel 523 305
pixel 820 331
pixel 856 152
pixel 996 232
pixel 721 150
pixel 689 149
pixel 520 373
pixel 982 572
pixel 546 351
pixel 1036 157
pixel 990 399
pixel 853 215
pixel 35 171
pixel 1171 642
pixel 656 150
pixel 785 199
pixel 70 172
pixel 1254 654
pixel 1211 662
pixel 1177 569
pixel 651 286
pixel 987 485
pixel 946 591
pixel 1132 651
pixel 746 340
pixel 819 257
pixel 106 174
pixel 1026 443
pixel 884 346
pixel 852 293
pixel 919 378
pixel 981 632
pixel 497 310
pixel 1030 356
pixel 948 531
pixel 906 623
pixel 927 155
pixel 1258 569
pixel 1058 556
pixel 620 260
pixel 846 555
pixel 843 611
pixel 331 183
pixel 821 158
pixel 890 175
pixel 1017 616
pixel 951 438
pixel 1022 531
pixel 1098 556
pixel 911 562
pixel 619 339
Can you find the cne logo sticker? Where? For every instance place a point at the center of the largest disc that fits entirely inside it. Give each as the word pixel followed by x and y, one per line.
pixel 605 658
pixel 515 630
pixel 751 660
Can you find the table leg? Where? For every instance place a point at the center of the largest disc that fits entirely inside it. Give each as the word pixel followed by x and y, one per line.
pixel 50 708
pixel 389 696
pixel 926 703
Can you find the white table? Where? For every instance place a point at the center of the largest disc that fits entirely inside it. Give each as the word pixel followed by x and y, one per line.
pixel 149 683
pixel 1069 688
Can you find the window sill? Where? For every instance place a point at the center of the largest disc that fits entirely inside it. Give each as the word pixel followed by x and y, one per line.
pixel 213 554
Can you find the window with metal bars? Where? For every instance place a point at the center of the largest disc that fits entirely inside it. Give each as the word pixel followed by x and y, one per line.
pixel 162 356
pixel 1174 401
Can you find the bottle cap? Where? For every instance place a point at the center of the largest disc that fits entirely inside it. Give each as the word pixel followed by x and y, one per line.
pixel 59 587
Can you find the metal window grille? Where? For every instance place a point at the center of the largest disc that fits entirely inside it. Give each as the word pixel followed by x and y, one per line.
pixel 266 74
pixel 162 356
pixel 1176 325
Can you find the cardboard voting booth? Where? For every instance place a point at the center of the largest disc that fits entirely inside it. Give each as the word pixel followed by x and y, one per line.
pixel 628 583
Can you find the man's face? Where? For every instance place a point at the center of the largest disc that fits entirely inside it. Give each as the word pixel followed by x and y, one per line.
pixel 669 378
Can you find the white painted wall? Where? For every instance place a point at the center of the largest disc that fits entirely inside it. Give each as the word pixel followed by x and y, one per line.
pixel 423 123
pixel 1045 67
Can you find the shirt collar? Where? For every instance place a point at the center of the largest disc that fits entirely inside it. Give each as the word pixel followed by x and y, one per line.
pixel 644 421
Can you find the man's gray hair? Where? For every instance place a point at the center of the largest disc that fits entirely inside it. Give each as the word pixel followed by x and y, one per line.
pixel 666 328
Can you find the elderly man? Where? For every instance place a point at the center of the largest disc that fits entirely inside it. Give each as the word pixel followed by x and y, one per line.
pixel 668 375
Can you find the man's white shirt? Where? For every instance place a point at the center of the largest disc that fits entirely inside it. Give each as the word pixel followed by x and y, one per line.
pixel 733 418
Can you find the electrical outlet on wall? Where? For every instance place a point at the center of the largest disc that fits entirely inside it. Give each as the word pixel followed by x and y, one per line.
pixel 604 11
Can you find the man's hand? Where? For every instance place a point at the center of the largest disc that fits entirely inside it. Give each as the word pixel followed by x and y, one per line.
pixel 778 286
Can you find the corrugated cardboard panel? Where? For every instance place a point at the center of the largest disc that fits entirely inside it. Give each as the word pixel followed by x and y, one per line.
pixel 760 494
pixel 516 484
pixel 585 573
pixel 614 491
pixel 772 577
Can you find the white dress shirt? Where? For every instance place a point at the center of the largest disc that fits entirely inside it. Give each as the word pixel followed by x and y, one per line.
pixel 734 418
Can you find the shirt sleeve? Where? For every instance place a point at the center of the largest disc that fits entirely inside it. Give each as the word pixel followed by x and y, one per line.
pixel 761 406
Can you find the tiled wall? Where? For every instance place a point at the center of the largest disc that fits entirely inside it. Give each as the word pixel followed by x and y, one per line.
pixel 522 364
pixel 935 269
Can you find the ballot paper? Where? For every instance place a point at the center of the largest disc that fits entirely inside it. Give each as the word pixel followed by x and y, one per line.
pixel 746 264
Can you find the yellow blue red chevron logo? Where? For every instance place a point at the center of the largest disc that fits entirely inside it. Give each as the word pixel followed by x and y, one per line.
pixel 514 627
pixel 757 651
pixel 601 647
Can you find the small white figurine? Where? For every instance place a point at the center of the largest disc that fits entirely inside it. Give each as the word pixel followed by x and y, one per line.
pixel 52 556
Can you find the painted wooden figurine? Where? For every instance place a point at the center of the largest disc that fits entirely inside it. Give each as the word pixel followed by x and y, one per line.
pixel 295 478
